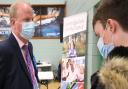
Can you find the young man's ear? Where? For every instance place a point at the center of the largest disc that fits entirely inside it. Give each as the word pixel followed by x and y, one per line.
pixel 111 25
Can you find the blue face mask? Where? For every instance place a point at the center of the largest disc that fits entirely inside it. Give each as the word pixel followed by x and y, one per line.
pixel 28 29
pixel 104 49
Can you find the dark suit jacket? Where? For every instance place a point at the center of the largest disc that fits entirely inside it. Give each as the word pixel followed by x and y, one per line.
pixel 13 70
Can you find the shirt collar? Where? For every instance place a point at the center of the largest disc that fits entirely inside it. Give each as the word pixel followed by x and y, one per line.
pixel 21 43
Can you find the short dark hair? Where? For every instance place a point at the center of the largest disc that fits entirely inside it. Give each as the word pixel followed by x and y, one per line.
pixel 113 9
pixel 98 17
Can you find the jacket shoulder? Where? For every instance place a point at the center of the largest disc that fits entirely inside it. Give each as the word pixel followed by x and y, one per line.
pixel 5 47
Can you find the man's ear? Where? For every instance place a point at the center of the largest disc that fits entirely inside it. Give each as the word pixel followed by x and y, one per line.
pixel 12 21
pixel 111 25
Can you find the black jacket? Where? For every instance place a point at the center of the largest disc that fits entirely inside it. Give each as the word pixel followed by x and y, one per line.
pixel 13 70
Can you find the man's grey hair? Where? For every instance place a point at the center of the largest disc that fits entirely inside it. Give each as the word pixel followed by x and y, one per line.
pixel 14 7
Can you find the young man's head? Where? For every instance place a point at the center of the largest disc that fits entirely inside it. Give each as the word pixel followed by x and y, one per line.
pixel 113 14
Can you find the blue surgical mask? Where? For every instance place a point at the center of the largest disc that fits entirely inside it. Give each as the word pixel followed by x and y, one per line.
pixel 104 49
pixel 28 29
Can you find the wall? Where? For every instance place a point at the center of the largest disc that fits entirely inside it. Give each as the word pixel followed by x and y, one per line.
pixel 77 6
pixel 34 1
pixel 49 50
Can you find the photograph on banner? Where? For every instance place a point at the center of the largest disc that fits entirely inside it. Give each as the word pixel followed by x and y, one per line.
pixel 75 45
pixel 48 20
pixel 72 85
pixel 5 28
pixel 73 69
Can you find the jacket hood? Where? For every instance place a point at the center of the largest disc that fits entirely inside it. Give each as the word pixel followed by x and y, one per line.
pixel 114 73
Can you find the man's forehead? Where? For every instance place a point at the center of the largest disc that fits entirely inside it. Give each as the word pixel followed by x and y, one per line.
pixel 25 9
pixel 23 6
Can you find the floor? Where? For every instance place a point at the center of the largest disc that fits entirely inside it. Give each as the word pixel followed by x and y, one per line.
pixel 51 85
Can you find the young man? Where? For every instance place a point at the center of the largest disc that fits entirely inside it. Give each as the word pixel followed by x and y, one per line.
pixel 114 21
pixel 17 69
pixel 114 14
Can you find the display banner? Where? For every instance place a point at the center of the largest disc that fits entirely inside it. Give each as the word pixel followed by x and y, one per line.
pixel 73 65
pixel 74 24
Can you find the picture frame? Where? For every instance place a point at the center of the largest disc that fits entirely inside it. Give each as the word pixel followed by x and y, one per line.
pixel 48 19
pixel 4 22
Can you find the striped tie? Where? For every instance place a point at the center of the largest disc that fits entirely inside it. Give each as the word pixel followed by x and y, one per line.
pixel 30 67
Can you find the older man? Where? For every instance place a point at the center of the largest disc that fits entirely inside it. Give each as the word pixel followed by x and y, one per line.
pixel 17 69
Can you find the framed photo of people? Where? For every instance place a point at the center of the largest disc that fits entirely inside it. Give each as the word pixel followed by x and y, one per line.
pixel 48 20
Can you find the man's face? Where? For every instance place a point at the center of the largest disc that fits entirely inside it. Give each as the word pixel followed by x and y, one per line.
pixel 101 32
pixel 23 14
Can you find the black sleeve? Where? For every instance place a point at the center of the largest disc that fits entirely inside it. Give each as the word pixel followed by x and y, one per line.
pixel 95 82
pixel 4 67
